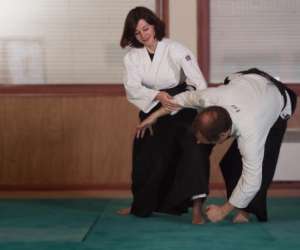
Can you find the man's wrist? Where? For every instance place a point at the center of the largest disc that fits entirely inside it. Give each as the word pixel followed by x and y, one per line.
pixel 163 111
pixel 159 96
pixel 156 97
pixel 227 208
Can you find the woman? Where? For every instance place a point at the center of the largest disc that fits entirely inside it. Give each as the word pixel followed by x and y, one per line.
pixel 170 171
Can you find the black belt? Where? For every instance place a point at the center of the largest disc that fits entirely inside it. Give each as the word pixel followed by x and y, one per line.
pixel 175 90
pixel 280 86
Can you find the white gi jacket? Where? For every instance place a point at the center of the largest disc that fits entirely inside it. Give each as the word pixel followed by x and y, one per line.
pixel 254 105
pixel 144 78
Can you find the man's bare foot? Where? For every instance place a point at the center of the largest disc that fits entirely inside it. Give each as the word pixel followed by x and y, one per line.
pixel 241 217
pixel 197 212
pixel 124 211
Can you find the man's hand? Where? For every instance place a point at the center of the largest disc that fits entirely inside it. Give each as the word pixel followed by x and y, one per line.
pixel 150 120
pixel 218 213
pixel 214 213
pixel 142 127
pixel 147 124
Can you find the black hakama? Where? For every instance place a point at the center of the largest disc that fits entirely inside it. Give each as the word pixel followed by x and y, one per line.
pixel 169 167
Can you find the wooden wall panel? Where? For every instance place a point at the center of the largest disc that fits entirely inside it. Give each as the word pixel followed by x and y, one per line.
pixel 65 141
pixel 294 122
pixel 73 142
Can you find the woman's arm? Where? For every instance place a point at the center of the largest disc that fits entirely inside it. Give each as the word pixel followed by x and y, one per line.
pixel 139 95
pixel 190 67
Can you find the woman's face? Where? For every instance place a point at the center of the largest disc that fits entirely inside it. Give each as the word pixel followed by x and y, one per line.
pixel 145 33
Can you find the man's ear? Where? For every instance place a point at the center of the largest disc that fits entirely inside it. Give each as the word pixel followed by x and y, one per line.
pixel 224 135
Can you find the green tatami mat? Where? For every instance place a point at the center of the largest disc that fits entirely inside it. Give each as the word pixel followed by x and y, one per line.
pixel 93 224
pixel 47 220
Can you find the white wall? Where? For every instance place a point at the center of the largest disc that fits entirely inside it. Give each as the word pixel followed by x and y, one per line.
pixel 183 22
pixel 288 163
pixel 72 41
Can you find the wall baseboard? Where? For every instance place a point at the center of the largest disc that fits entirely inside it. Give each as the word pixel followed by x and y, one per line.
pixel 123 187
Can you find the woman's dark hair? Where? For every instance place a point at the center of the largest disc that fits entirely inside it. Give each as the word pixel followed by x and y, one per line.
pixel 211 122
pixel 128 37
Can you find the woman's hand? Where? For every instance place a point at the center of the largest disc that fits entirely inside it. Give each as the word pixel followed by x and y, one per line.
pixel 166 101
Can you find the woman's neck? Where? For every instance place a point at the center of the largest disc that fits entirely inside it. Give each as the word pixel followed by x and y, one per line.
pixel 151 48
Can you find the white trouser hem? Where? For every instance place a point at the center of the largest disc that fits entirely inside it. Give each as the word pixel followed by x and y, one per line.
pixel 198 196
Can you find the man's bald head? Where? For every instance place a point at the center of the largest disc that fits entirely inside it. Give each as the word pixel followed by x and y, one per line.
pixel 212 122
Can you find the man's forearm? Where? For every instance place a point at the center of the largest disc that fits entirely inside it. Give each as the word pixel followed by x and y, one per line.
pixel 227 208
pixel 161 112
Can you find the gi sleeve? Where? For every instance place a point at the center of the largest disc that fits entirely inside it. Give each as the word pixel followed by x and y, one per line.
pixel 191 99
pixel 137 94
pixel 199 99
pixel 190 67
pixel 252 152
